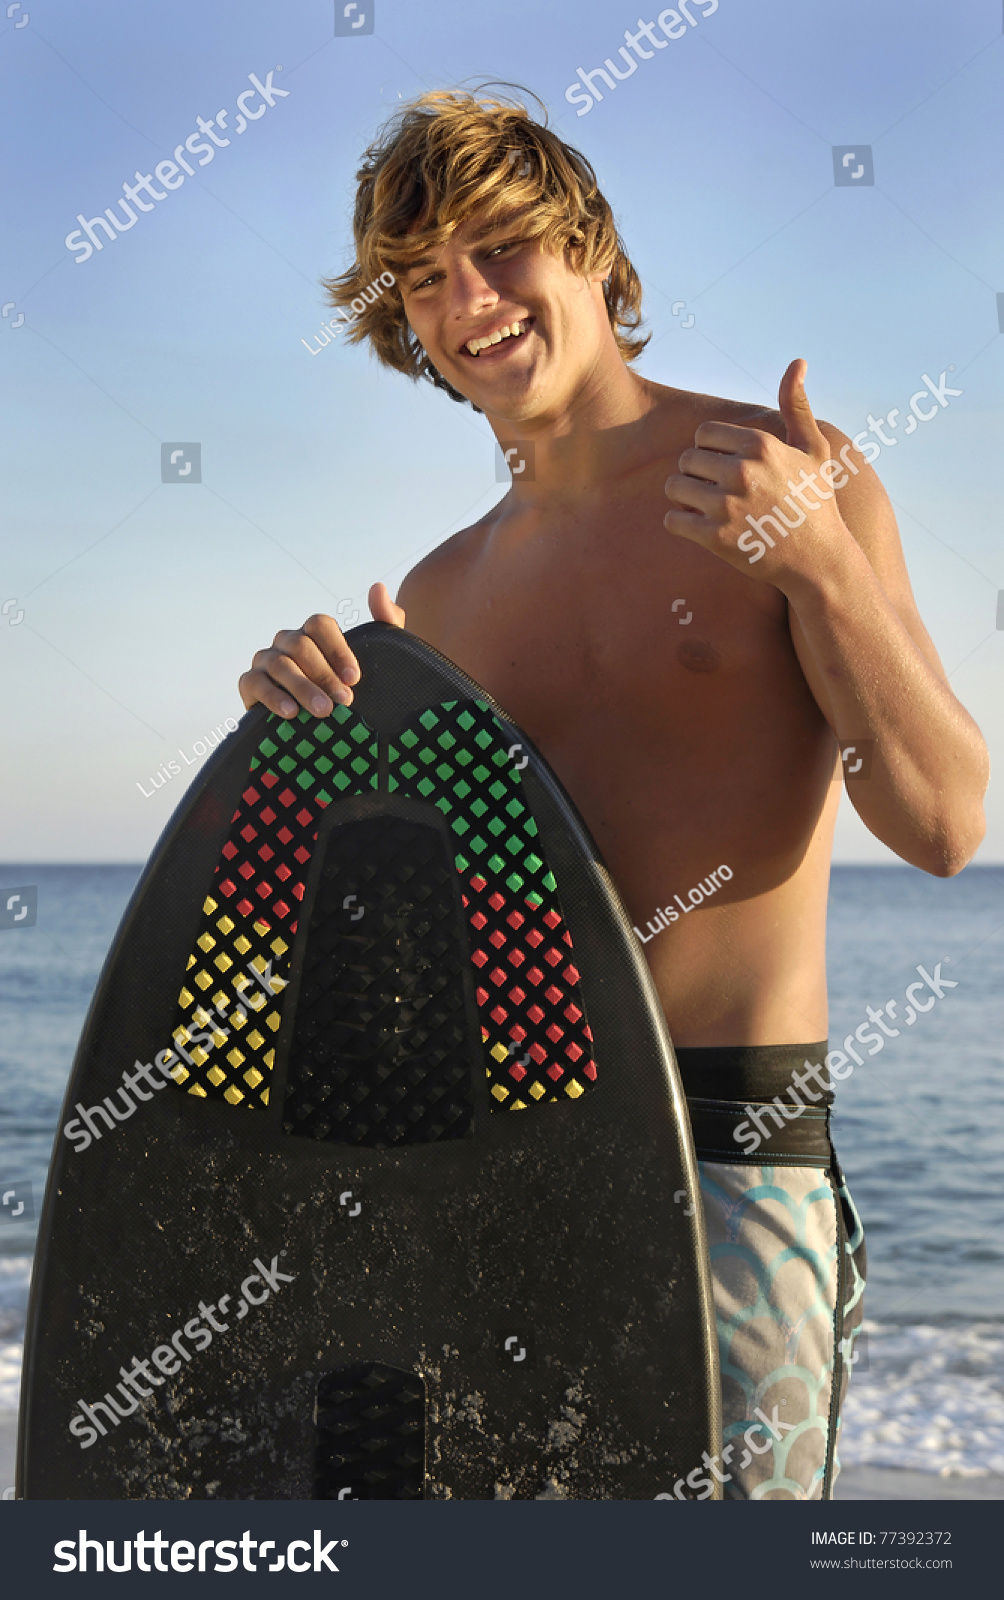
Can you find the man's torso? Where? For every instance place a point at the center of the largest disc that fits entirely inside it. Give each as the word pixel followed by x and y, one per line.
pixel 688 737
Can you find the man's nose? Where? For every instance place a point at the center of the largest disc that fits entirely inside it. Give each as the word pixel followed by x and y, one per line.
pixel 471 292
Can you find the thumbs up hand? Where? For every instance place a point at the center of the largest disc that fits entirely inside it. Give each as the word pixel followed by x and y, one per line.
pixel 743 495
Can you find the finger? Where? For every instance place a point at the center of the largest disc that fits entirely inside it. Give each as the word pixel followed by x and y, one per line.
pixel 687 524
pixel 331 642
pixel 296 663
pixel 383 608
pixel 256 687
pixel 713 466
pixel 692 494
pixel 802 429
pixel 730 438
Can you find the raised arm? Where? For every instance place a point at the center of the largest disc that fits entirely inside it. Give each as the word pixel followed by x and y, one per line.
pixel 834 552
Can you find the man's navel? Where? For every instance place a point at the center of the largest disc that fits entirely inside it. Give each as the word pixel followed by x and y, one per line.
pixel 697 655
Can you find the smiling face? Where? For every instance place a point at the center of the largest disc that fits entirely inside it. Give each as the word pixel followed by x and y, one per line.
pixel 514 328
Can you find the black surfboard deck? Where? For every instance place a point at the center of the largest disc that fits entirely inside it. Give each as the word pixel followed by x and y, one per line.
pixel 411 1220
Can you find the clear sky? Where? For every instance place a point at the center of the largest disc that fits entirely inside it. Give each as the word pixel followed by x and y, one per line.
pixel 142 601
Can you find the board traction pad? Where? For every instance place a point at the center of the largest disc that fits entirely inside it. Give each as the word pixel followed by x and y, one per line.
pixel 537 1041
pixel 359 929
pixel 370 1425
pixel 379 1053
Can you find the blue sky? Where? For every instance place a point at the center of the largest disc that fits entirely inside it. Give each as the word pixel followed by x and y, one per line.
pixel 142 601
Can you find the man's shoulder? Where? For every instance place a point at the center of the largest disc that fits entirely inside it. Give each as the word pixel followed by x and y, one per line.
pixel 443 565
pixel 694 406
pixel 688 408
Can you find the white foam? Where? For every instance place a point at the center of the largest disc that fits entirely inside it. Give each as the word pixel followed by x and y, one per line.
pixel 10 1375
pixel 930 1400
pixel 15 1276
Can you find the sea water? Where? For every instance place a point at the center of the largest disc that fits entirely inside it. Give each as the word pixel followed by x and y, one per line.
pixel 919 1129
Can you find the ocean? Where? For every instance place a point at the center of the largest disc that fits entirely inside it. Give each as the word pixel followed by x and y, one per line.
pixel 919 1129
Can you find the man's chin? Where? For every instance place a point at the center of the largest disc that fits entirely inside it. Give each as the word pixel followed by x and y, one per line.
pixel 492 381
pixel 515 399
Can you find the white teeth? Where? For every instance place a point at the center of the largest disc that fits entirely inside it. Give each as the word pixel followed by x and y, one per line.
pixel 510 332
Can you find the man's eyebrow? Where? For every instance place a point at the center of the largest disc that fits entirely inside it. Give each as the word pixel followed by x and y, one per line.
pixel 415 266
pixel 499 225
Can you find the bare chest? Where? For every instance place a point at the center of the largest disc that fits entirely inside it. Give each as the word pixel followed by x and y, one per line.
pixel 605 614
pixel 661 685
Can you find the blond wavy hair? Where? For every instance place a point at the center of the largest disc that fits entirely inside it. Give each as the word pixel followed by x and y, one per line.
pixel 442 157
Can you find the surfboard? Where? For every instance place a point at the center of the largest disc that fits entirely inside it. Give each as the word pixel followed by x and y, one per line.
pixel 374 1178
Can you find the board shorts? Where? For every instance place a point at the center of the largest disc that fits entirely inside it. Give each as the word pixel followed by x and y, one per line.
pixel 788 1264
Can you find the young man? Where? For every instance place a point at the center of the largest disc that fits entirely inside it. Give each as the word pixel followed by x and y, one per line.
pixel 690 673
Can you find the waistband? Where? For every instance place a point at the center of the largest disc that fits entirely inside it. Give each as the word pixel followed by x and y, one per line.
pixel 762 1104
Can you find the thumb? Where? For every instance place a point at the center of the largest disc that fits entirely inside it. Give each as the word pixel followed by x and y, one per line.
pixel 382 607
pixel 801 427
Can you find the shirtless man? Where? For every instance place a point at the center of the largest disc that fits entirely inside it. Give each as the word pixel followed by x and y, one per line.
pixel 685 744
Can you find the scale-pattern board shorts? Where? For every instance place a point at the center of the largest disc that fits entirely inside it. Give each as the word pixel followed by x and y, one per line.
pixel 787 1260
